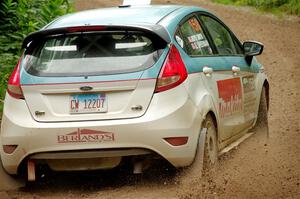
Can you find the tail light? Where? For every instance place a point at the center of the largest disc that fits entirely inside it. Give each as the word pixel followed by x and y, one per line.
pixel 172 73
pixel 14 87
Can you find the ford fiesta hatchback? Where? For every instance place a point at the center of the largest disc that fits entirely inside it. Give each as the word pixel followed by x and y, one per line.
pixel 137 82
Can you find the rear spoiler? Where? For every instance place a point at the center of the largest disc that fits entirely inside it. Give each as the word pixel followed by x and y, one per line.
pixel 156 29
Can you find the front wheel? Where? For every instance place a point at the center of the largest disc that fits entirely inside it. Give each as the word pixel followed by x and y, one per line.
pixel 262 125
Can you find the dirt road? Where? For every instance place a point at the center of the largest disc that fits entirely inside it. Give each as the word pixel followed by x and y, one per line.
pixel 259 168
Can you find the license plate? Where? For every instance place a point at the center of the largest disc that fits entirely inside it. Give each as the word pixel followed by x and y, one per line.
pixel 88 103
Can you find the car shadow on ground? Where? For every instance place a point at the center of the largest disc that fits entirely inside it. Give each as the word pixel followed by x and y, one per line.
pixel 159 173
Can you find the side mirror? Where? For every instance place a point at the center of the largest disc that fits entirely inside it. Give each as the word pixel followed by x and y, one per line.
pixel 252 48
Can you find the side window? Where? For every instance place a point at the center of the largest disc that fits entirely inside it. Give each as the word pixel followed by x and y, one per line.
pixel 192 39
pixel 221 37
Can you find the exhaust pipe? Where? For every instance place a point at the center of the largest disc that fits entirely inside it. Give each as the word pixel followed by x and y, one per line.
pixel 31 171
pixel 138 167
pixel 141 164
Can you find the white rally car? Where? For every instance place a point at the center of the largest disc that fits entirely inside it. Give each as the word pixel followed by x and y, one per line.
pixel 94 87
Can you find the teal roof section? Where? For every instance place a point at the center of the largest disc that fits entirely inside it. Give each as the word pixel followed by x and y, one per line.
pixel 116 16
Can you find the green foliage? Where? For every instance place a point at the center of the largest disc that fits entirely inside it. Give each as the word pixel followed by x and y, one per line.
pixel 286 6
pixel 4 74
pixel 18 18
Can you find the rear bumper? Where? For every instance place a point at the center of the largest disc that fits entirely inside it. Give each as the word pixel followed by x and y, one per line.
pixel 170 114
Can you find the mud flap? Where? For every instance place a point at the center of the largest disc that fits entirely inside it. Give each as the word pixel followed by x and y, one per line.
pixel 196 168
pixel 8 182
pixel 194 172
pixel 201 147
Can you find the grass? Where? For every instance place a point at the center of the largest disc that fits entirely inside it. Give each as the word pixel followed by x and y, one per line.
pixel 277 7
pixel 4 76
pixel 1 109
pixel 18 19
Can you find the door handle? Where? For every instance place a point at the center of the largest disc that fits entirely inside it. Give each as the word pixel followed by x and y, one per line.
pixel 207 71
pixel 235 69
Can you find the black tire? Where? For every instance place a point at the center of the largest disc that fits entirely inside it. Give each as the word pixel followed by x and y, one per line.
pixel 211 144
pixel 206 155
pixel 262 115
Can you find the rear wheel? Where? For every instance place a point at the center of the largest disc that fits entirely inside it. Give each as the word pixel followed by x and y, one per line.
pixel 211 145
pixel 206 154
pixel 9 182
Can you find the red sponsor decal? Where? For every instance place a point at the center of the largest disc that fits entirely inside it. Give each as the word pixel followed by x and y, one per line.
pixel 230 95
pixel 86 135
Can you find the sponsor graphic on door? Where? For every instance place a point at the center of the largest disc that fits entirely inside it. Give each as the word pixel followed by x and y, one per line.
pixel 230 97
pixel 249 96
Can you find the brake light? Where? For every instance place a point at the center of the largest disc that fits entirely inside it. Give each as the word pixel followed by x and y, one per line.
pixel 14 87
pixel 85 28
pixel 172 73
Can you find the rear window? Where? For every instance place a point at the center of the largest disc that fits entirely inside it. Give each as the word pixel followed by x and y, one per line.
pixel 86 54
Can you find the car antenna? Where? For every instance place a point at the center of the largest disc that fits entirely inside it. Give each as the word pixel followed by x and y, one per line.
pixel 129 3
pixel 124 6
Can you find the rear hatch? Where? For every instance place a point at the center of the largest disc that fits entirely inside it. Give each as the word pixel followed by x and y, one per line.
pixel 88 74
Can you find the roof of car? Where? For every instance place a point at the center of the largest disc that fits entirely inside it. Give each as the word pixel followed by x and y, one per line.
pixel 150 14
